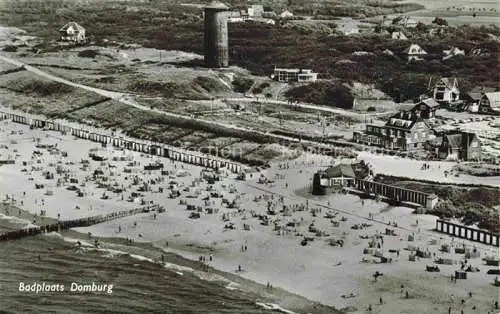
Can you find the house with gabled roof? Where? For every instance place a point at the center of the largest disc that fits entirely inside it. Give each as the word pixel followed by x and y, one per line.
pixel 72 31
pixel 406 131
pixel 426 108
pixel 337 176
pixel 398 36
pixel 415 52
pixel 490 103
pixel 286 14
pixel 405 21
pixel 446 91
pixel 474 96
pixel 452 53
pixel 459 145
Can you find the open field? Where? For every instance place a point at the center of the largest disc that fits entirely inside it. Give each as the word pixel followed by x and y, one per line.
pixel 260 47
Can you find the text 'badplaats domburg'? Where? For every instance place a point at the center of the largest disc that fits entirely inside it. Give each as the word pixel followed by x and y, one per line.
pixel 36 287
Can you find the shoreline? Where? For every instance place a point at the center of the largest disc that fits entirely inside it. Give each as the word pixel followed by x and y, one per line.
pixel 147 251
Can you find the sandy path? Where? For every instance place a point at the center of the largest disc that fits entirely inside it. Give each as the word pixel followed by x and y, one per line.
pixel 309 106
pixel 127 100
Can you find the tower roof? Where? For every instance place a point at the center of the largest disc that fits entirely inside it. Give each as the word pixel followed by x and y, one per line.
pixel 217 5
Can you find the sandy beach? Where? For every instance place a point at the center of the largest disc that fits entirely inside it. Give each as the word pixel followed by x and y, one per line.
pixel 228 235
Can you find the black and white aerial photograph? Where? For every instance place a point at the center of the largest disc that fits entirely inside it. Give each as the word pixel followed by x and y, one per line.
pixel 250 156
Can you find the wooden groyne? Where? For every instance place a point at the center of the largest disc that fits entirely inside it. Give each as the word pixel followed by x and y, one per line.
pixel 74 223
pixel 100 136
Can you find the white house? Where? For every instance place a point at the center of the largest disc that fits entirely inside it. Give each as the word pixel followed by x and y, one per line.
pixel 415 52
pixel 453 52
pixel 255 10
pixel 406 22
pixel 490 103
pixel 286 14
pixel 348 27
pixel 294 75
pixel 399 36
pixel 72 31
pixel 446 91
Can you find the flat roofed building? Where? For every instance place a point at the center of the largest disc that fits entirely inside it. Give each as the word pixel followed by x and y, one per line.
pixel 294 75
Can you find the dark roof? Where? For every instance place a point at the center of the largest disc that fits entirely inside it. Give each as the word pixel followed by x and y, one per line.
pixel 448 82
pixel 403 120
pixel 340 170
pixel 430 102
pixel 474 96
pixel 217 5
pixel 458 139
pixel 482 89
pixel 454 140
pixel 494 99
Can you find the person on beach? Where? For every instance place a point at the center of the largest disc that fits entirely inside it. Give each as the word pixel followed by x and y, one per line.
pixel 163 258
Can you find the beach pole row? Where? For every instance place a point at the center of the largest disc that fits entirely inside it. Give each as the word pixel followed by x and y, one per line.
pixel 74 223
pixel 137 145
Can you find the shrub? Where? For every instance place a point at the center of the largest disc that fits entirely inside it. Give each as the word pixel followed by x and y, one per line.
pixel 10 48
pixel 209 84
pixel 42 88
pixel 89 53
pixel 371 109
pixel 241 84
pixel 333 94
pixel 264 85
